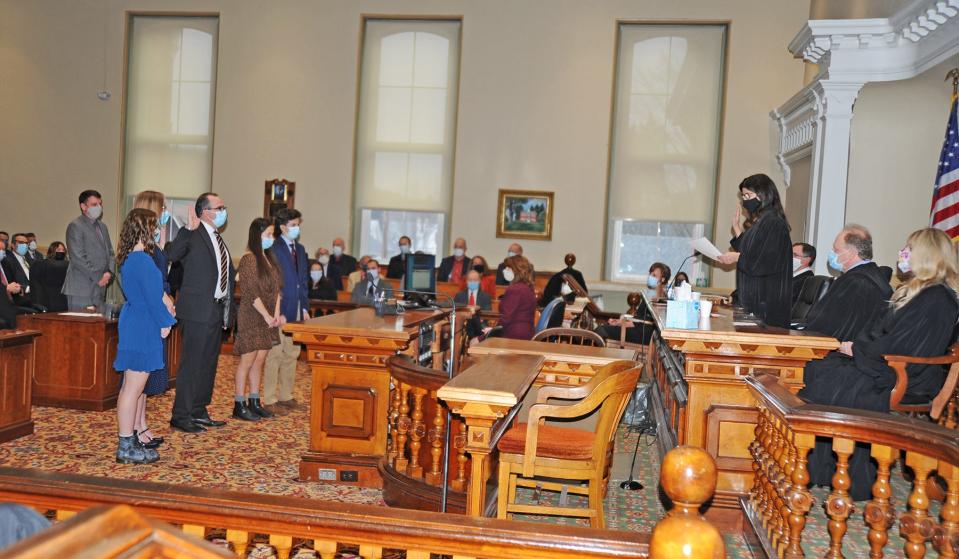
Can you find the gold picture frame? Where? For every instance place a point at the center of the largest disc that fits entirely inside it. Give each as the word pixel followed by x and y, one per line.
pixel 525 214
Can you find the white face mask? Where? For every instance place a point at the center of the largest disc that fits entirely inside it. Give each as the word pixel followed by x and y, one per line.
pixel 566 289
pixel 797 263
pixel 94 212
pixel 458 252
pixel 508 274
pixel 324 259
pixel 337 250
pixel 510 253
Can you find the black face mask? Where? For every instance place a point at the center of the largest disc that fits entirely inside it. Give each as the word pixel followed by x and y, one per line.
pixel 59 255
pixel 479 269
pixel 752 205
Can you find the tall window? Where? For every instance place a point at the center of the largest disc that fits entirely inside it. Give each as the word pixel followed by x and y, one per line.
pixel 171 87
pixel 405 134
pixel 665 149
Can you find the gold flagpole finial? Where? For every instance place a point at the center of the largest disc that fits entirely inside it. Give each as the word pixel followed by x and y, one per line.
pixel 954 74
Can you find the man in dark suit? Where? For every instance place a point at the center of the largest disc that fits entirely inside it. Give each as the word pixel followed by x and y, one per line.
pixel 453 268
pixel 280 369
pixel 515 249
pixel 8 288
pixel 343 261
pixel 473 295
pixel 803 257
pixel 204 310
pixel 397 266
pixel 33 255
pixel 371 286
pixel 17 268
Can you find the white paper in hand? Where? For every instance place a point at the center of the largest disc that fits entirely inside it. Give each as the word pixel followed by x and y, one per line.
pixel 706 248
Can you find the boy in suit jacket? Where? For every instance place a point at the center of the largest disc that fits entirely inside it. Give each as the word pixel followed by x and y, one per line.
pixel 280 369
pixel 91 255
pixel 204 304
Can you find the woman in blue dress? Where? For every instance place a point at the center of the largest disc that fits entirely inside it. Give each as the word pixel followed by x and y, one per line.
pixel 144 322
pixel 159 380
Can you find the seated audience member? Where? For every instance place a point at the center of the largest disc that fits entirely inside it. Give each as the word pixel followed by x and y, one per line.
pixel 656 284
pixel 517 308
pixel 859 297
pixel 804 255
pixel 8 310
pixel 515 249
pixel 33 255
pixel 330 271
pixel 47 277
pixel 343 261
pixel 681 278
pixel 453 268
pixel 487 280
pixel 320 285
pixel 357 275
pixel 556 287
pixel 921 322
pixel 397 266
pixel 473 295
pixel 5 237
pixel 18 266
pixel 18 522
pixel 371 286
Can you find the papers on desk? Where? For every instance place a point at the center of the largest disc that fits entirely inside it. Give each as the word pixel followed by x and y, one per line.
pixel 85 314
pixel 703 246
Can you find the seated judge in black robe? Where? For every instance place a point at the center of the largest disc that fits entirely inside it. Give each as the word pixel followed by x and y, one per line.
pixel 763 253
pixel 804 255
pixel 921 323
pixel 554 287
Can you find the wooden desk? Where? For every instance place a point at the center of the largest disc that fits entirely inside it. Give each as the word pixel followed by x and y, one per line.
pixel 74 361
pixel 563 364
pixel 347 354
pixel 700 396
pixel 17 358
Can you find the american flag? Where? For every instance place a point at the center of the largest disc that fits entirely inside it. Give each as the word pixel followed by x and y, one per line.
pixel 945 197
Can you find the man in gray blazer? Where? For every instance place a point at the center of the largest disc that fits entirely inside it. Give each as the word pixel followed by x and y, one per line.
pixel 371 287
pixel 91 255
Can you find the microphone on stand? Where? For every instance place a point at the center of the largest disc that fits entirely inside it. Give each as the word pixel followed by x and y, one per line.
pixel 669 292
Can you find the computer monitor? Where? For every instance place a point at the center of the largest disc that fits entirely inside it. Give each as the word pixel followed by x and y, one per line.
pixel 420 273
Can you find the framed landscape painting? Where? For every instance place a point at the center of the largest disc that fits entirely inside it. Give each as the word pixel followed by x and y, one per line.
pixel 525 214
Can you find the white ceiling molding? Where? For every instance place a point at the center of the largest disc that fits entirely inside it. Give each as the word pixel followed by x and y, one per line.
pixel 851 53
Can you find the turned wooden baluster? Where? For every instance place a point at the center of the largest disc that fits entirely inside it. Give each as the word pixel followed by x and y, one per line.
pixel 916 525
pixel 371 552
pixel 785 484
pixel 839 504
pixel 459 484
pixel 755 450
pixel 948 418
pixel 403 423
pixel 283 545
pixel 799 499
pixel 436 438
pixel 240 540
pixel 417 432
pixel 777 477
pixel 394 414
pixel 326 549
pixel 949 513
pixel 762 460
pixel 879 513
pixel 195 530
pixel 772 472
pixel 767 503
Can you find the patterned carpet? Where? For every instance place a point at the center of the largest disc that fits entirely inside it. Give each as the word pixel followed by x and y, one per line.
pixel 263 458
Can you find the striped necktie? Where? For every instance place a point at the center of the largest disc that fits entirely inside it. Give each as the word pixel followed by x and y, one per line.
pixel 224 263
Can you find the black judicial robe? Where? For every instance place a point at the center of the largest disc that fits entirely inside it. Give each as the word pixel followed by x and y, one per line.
pixel 923 327
pixel 397 266
pixel 855 301
pixel 798 281
pixel 764 270
pixel 554 286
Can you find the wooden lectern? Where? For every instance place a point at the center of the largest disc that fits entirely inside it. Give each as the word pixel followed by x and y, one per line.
pixel 347 354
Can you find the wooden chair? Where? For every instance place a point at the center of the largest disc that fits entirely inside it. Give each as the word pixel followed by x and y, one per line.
pixel 536 449
pixel 946 395
pixel 574 336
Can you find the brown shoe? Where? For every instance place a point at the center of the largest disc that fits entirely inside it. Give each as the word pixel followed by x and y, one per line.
pixel 290 404
pixel 276 410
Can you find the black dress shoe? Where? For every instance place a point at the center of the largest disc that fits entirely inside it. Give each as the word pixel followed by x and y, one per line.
pixel 187 426
pixel 240 411
pixel 207 422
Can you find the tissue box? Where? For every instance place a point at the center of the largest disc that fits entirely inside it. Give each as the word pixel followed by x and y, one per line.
pixel 682 314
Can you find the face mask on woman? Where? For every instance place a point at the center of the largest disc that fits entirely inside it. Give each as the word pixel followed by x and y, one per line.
pixel 315 275
pixel 508 275
pixel 903 263
pixel 652 282
pixel 752 205
pixel 266 242
pixel 59 255
pixel 479 269
pixel 164 217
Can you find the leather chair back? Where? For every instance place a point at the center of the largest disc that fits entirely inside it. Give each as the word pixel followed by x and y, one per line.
pixel 813 290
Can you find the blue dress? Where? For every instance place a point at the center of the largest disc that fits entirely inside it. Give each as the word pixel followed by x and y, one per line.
pixel 158 382
pixel 140 347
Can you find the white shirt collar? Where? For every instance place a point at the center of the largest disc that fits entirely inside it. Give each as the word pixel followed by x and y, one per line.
pixel 209 228
pixel 800 271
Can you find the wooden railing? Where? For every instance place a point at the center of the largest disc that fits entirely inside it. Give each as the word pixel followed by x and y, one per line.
pixel 779 501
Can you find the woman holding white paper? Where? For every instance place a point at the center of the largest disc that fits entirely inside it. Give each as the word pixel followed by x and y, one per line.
pixel 762 252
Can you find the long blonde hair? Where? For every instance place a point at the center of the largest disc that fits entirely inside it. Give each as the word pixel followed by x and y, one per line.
pixel 932 260
pixel 150 200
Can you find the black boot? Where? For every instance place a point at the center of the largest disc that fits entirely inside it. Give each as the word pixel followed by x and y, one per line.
pixel 240 411
pixel 255 407
pixel 129 451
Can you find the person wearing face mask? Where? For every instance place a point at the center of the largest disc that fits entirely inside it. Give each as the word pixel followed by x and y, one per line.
pixel 8 288
pixel 920 322
pixel 204 310
pixel 397 265
pixel 48 277
pixel 371 287
pixel 657 283
pixel 33 255
pixel 291 259
pixel 343 261
pixel 325 277
pixel 19 269
pixel 762 253
pixel 859 296
pixel 487 280
pixel 518 306
pixel 557 286
pixel 92 260
pixel 472 295
pixel 804 255
pixel 453 268
pixel 258 318
pixel 514 249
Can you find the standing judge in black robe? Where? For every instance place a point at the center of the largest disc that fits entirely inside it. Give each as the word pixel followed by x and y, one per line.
pixel 804 255
pixel 858 298
pixel 921 323
pixel 397 266
pixel 762 253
